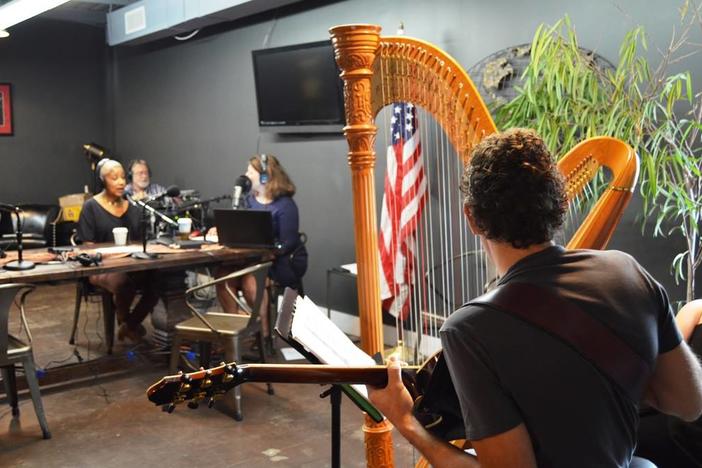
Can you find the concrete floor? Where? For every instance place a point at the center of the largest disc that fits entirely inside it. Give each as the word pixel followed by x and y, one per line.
pixel 108 422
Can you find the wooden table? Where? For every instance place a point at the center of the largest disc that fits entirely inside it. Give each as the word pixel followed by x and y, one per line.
pixel 168 259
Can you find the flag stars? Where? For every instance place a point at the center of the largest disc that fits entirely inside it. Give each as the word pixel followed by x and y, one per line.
pixel 398 109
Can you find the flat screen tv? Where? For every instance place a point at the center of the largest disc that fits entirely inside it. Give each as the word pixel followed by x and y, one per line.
pixel 298 89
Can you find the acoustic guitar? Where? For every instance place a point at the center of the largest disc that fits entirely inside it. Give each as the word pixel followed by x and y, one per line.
pixel 436 404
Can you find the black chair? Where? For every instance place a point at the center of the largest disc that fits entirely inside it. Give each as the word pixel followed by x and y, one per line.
pixel 84 292
pixel 38 227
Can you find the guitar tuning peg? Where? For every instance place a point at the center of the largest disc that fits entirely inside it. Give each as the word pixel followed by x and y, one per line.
pixel 193 404
pixel 168 408
pixel 222 363
pixel 185 378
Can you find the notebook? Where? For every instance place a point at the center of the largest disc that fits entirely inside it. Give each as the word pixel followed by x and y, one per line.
pixel 245 228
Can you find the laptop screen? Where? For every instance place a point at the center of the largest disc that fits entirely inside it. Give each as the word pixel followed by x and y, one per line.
pixel 244 228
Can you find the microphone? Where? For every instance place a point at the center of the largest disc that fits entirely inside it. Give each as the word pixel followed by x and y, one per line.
pixel 172 191
pixel 242 185
pixel 93 149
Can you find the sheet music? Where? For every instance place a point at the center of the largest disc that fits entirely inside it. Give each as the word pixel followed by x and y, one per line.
pixel 325 340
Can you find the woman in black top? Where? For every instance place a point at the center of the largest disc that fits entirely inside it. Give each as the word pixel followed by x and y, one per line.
pixel 102 213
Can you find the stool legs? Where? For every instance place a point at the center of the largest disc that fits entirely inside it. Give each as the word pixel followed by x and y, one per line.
pixel 33 383
pixel 108 313
pixel 76 313
pixel 8 378
pixel 262 357
pixel 175 353
pixel 235 356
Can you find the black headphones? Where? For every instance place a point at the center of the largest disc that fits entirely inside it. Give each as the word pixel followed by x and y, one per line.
pixel 87 260
pixel 133 163
pixel 264 169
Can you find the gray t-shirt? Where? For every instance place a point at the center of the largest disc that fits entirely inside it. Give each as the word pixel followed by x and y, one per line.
pixel 507 371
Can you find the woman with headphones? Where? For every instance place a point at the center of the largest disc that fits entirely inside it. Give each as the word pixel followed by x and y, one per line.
pixel 99 215
pixel 272 190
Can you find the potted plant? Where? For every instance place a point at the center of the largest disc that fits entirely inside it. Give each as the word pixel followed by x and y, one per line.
pixel 567 96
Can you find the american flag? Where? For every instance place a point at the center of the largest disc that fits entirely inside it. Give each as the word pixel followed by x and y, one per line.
pixel 403 202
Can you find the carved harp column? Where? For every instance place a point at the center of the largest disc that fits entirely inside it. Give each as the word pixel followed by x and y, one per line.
pixel 355 48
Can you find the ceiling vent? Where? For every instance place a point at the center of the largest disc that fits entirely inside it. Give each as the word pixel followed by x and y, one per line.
pixel 149 20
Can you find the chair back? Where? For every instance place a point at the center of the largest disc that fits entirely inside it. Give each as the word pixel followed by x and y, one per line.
pixel 37 219
pixel 260 272
pixel 38 223
pixel 8 292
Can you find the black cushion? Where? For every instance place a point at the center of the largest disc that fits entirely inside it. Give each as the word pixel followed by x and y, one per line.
pixel 37 229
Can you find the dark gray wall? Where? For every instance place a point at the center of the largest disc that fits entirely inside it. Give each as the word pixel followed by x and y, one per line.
pixel 57 71
pixel 190 107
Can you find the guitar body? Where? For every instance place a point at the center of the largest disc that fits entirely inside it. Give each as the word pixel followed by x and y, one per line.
pixel 436 405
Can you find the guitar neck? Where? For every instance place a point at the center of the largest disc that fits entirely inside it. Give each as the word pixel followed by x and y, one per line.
pixel 218 380
pixel 376 376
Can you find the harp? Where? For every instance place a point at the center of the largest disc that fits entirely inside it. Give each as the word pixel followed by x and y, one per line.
pixel 377 71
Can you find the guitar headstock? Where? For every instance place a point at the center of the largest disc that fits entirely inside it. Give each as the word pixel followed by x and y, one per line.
pixel 203 385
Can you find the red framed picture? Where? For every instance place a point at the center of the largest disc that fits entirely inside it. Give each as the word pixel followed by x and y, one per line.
pixel 5 109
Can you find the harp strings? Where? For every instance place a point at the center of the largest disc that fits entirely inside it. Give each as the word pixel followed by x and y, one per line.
pixel 447 265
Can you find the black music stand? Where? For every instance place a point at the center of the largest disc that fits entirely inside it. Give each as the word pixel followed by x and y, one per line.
pixel 283 327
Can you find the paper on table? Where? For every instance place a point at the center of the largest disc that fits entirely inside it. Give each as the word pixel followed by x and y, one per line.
pixel 210 238
pixel 325 340
pixel 351 268
pixel 119 249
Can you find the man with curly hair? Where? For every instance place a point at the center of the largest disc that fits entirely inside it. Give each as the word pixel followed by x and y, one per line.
pixel 529 398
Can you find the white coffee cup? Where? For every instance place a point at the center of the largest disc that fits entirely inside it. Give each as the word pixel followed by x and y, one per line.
pixel 184 226
pixel 120 234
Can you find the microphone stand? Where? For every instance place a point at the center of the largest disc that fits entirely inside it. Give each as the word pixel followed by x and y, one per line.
pixel 20 264
pixel 144 255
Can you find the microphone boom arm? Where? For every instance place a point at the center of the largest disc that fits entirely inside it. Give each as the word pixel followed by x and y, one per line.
pixel 151 209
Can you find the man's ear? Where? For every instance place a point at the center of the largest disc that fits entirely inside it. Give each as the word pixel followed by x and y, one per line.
pixel 471 221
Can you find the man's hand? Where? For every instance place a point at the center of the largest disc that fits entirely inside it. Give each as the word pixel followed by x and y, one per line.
pixel 394 401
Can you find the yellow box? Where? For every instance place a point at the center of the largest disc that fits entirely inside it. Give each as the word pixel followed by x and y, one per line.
pixel 71 205
pixel 71 213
